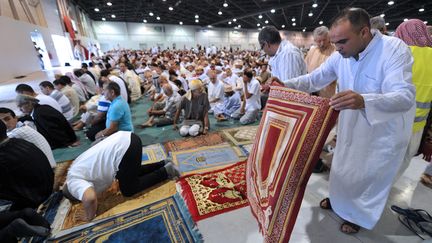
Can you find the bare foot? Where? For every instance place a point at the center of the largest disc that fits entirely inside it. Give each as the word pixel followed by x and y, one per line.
pixel 144 125
pixel 75 144
pixel 79 126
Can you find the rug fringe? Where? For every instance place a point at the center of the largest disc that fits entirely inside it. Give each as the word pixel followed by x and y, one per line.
pixel 190 223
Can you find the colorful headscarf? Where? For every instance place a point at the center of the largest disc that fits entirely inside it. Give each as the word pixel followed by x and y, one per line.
pixel 414 33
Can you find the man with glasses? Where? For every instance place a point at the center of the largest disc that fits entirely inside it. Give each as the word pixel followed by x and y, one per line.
pixel 286 60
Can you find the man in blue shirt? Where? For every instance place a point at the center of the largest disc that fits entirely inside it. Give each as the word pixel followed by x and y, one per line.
pixel 119 116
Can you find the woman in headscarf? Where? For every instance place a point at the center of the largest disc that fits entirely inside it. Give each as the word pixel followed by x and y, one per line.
pixel 414 33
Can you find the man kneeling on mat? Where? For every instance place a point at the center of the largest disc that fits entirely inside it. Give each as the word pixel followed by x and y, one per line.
pixel 116 157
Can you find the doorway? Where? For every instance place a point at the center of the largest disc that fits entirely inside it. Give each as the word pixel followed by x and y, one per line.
pixel 40 50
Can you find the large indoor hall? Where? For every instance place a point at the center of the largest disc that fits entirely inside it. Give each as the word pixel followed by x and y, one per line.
pixel 235 121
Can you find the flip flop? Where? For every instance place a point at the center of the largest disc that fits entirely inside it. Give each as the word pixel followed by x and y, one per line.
pixel 417 215
pixel 416 228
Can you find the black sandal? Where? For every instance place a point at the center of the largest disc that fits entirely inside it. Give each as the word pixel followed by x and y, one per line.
pixel 416 215
pixel 419 228
pixel 354 228
pixel 325 201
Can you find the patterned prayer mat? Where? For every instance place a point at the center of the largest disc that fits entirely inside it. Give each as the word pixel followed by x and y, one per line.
pixel 153 153
pixel 290 138
pixel 60 173
pixel 112 202
pixel 241 135
pixel 194 142
pixel 215 192
pixel 206 157
pixel 166 220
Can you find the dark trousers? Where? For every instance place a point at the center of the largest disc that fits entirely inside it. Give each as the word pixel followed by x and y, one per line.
pixel 134 177
pixel 28 215
pixel 94 129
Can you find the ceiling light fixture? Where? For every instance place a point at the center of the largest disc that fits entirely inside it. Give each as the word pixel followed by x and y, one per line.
pixel 145 21
pixel 304 30
pixel 310 14
pixel 239 26
pixel 321 22
pixel 258 24
pixel 158 18
pixel 405 20
pixel 96 10
pixel 266 22
pixel 272 11
pixel 260 16
pixel 390 3
pixel 283 26
pixel 421 10
pixel 294 24
pixel 314 5
pixel 151 14
pixel 220 12
pixel 196 16
pixel 113 16
pixel 225 4
pixel 209 26
pixel 425 22
pixel 170 8
pixel 234 20
pixel 382 15
pixel 293 19
pixel 229 22
pixel 109 3
pixel 103 19
pixel 387 24
pixel 196 20
pixel 180 23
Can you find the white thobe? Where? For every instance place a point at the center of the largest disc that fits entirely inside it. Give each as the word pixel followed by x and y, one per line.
pixel 372 141
pixel 216 91
pixel 288 62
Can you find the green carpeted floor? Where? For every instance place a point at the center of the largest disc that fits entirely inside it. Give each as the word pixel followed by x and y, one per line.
pixel 148 135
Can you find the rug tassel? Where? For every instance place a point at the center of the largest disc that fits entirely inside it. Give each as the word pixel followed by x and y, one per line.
pixel 188 219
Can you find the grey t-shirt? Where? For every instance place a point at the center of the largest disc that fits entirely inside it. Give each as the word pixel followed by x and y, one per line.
pixel 194 109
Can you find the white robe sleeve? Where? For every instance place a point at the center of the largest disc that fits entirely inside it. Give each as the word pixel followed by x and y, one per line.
pixel 316 80
pixel 398 92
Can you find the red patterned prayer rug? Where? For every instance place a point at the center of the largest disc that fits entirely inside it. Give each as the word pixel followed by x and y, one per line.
pixel 292 132
pixel 215 192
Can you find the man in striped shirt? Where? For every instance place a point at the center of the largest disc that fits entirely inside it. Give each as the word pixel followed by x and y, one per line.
pixel 47 88
pixel 16 130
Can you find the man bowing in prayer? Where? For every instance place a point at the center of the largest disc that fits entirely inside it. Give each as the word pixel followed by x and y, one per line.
pixel 377 103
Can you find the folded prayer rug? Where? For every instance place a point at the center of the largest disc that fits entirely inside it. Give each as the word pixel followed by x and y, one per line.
pixel 166 220
pixel 194 142
pixel 206 157
pixel 215 192
pixel 241 135
pixel 153 153
pixel 290 138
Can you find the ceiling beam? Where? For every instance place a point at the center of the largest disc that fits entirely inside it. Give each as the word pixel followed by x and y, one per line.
pixel 322 10
pixel 263 11
pixel 266 14
pixel 301 15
